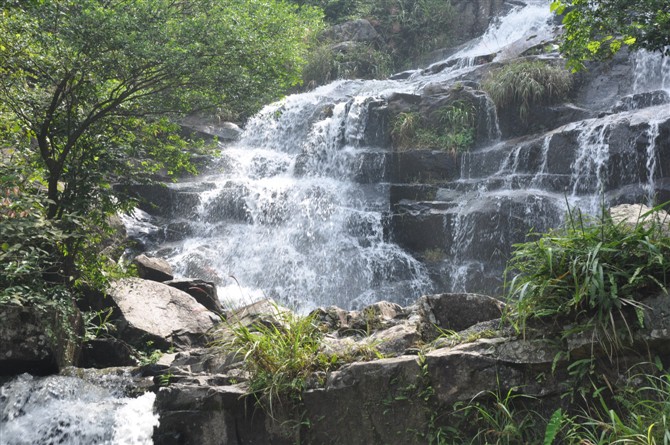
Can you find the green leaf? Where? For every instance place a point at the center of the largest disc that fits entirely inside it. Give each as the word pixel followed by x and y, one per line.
pixel 630 40
pixel 553 427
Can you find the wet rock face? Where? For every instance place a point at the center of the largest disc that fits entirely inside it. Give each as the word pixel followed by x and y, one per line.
pixel 492 198
pixel 474 16
pixel 24 345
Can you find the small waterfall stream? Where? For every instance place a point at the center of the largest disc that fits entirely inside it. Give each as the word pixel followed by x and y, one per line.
pixel 74 411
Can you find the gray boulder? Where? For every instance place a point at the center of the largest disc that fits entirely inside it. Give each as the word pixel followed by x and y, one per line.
pixel 355 31
pixel 634 214
pixel 456 312
pixel 203 291
pixel 154 269
pixel 24 346
pixel 37 342
pixel 157 312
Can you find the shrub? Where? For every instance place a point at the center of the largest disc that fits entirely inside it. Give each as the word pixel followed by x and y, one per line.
pixel 360 61
pixel 638 413
pixel 28 240
pixel 590 271
pixel 411 28
pixel 451 129
pixel 280 355
pixel 523 85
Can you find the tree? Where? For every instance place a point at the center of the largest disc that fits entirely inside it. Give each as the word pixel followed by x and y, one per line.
pixel 598 29
pixel 88 87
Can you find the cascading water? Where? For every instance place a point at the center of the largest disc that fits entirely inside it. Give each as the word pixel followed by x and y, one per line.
pixel 73 411
pixel 299 212
pixel 651 72
pixel 297 226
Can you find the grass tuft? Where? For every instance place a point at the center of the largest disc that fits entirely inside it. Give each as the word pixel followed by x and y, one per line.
pixel 280 353
pixel 594 272
pixel 450 128
pixel 525 84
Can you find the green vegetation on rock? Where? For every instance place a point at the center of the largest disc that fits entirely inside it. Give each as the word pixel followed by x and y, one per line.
pixel 327 63
pixel 449 128
pixel 521 85
pixel 594 272
pixel 280 354
pixel 411 28
pixel 407 31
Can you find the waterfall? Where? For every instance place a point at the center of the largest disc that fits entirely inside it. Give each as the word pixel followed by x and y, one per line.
pixel 650 72
pixel 651 163
pixel 542 171
pixel 290 217
pixel 74 411
pixel 300 208
pixel 588 170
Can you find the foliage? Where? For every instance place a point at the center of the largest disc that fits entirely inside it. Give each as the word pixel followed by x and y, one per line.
pixel 97 324
pixel 591 271
pixel 494 418
pixel 598 29
pixel 87 88
pixel 409 29
pixel 149 354
pixel 640 415
pixel 525 84
pixel 26 239
pixel 280 357
pixel 451 129
pixel 327 63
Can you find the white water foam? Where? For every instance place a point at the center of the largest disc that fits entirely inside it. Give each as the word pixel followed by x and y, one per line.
pixel 71 411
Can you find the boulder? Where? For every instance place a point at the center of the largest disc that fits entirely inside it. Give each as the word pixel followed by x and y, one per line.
pixel 203 291
pixel 38 341
pixel 210 415
pixel 634 214
pixel 359 30
pixel 152 311
pixel 456 312
pixel 106 353
pixel 197 265
pixel 24 345
pixel 154 269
